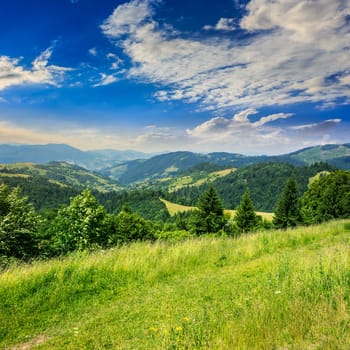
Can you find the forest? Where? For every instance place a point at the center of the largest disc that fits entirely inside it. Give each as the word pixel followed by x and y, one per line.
pixel 39 219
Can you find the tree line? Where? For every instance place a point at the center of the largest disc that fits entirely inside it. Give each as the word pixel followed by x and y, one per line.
pixel 85 224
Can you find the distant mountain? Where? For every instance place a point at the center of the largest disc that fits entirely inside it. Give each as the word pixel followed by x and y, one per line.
pixel 58 173
pixel 41 154
pixel 170 164
pixel 338 155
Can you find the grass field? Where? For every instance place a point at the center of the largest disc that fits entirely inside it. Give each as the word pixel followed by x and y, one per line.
pixel 271 290
pixel 174 208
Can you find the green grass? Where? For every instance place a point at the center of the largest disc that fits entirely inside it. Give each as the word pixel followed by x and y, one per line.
pixel 271 290
pixel 174 208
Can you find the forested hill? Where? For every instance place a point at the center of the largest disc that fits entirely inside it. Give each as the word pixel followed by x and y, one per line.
pixel 171 164
pixel 265 182
pixel 52 184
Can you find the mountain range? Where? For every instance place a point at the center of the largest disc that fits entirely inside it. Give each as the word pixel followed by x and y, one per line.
pixel 132 167
pixel 41 154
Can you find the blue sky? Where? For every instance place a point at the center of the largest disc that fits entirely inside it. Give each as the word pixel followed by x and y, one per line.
pixel 253 77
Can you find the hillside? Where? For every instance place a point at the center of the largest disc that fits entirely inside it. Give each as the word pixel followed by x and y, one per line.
pixel 337 155
pixel 168 165
pixel 41 154
pixel 265 182
pixel 272 290
pixel 60 173
pixel 52 184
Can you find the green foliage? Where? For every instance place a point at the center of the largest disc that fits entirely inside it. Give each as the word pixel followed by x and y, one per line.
pixel 81 225
pixel 146 203
pixel 245 217
pixel 128 227
pixel 173 236
pixel 328 198
pixel 18 225
pixel 265 182
pixel 209 218
pixel 287 213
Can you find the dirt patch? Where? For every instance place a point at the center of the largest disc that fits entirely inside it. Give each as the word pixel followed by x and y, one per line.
pixel 40 339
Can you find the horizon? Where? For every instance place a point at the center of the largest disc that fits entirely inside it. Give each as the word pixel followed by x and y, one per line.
pixel 154 154
pixel 155 76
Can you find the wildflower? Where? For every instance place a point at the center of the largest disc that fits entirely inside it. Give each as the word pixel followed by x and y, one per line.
pixel 186 319
pixel 278 292
pixel 178 329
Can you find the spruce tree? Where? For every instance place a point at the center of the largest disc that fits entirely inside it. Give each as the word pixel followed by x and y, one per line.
pixel 209 218
pixel 245 218
pixel 287 213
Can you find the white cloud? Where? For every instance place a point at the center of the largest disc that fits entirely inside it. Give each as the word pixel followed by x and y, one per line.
pixel 225 24
pixel 13 74
pixel 116 61
pixel 106 79
pixel 127 17
pixel 239 126
pixel 240 134
pixel 300 46
pixel 93 51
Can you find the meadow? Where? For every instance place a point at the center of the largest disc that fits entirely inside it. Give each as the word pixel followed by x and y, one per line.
pixel 269 290
pixel 174 208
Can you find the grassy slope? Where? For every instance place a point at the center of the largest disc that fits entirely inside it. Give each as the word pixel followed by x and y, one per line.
pixel 196 179
pixel 62 174
pixel 174 208
pixel 275 290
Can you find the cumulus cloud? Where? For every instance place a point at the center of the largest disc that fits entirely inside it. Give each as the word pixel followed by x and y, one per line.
pixel 41 72
pixel 242 134
pixel 294 51
pixel 239 126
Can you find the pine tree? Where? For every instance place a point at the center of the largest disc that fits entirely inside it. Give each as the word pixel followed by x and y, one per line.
pixel 209 218
pixel 245 218
pixel 287 213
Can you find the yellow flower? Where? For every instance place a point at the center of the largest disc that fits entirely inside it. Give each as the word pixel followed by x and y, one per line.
pixel 178 329
pixel 186 319
pixel 153 329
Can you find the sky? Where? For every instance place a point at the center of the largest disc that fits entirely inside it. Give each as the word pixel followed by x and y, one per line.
pixel 242 76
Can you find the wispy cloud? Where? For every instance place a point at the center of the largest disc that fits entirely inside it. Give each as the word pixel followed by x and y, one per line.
pixel 225 24
pixel 106 79
pixel 64 132
pixel 12 73
pixel 298 52
pixel 93 51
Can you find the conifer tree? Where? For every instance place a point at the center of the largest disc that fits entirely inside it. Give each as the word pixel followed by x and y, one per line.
pixel 245 218
pixel 287 213
pixel 209 218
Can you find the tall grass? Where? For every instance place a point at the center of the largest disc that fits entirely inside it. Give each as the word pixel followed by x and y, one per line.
pixel 271 290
